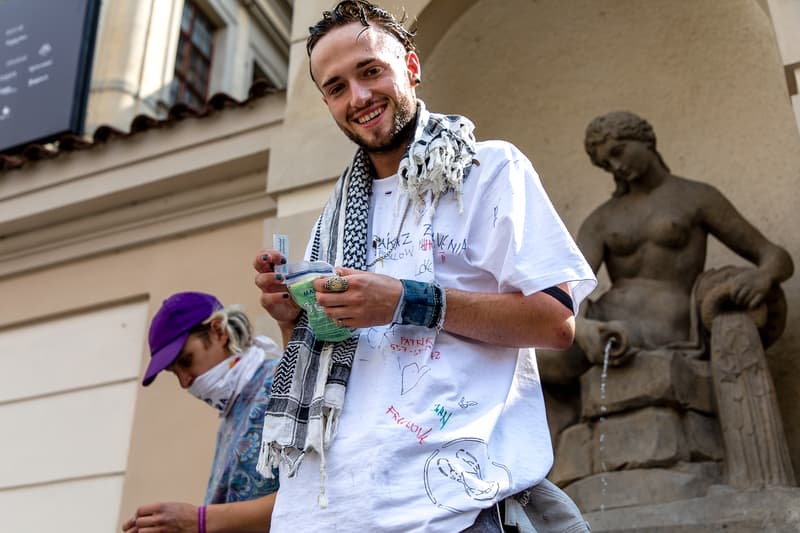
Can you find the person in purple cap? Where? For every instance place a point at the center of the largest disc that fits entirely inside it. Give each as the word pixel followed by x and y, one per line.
pixel 212 352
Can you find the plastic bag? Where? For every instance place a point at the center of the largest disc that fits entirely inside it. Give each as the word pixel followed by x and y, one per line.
pixel 299 280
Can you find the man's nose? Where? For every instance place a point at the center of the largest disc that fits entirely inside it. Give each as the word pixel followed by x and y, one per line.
pixel 360 94
pixel 615 165
pixel 184 379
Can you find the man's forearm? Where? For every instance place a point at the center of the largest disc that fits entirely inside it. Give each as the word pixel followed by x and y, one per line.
pixel 251 516
pixel 511 319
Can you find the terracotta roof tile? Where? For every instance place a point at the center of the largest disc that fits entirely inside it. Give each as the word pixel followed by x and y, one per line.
pixel 140 123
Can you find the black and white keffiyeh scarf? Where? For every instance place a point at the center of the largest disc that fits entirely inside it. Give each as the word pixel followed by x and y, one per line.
pixel 309 384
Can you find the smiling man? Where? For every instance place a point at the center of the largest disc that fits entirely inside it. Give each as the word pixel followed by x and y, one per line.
pixel 452 266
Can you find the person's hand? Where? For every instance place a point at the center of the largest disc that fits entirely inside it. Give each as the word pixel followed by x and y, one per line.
pixel 164 517
pixel 749 287
pixel 274 294
pixel 370 299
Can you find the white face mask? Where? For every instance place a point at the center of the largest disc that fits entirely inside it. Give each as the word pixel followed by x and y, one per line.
pixel 217 385
pixel 220 385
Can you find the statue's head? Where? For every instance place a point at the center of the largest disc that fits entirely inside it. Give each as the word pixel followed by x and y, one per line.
pixel 620 126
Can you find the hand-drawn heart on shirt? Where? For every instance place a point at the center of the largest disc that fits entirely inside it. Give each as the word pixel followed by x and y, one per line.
pixel 411 374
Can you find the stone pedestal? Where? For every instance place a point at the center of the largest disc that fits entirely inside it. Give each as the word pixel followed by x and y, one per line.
pixel 657 377
pixel 723 509
pixel 644 486
pixel 658 441
pixel 654 437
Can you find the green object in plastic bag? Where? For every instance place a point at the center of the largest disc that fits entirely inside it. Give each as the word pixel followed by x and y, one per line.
pixel 300 284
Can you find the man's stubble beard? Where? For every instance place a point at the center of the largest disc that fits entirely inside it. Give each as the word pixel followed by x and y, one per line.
pixel 399 135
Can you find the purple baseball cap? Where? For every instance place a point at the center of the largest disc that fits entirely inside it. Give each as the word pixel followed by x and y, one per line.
pixel 171 326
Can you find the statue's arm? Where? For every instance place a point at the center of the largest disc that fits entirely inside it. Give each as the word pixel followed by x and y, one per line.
pixel 773 263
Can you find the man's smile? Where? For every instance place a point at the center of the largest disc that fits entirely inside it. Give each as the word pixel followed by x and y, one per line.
pixel 369 117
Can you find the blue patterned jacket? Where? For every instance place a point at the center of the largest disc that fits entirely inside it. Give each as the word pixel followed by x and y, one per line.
pixel 233 473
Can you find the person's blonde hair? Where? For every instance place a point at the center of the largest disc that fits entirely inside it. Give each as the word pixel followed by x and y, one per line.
pixel 234 320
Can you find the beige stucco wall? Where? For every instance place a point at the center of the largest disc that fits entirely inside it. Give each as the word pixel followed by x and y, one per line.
pixel 706 74
pixel 172 437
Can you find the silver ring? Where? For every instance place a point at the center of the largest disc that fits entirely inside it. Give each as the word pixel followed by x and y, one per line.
pixel 336 284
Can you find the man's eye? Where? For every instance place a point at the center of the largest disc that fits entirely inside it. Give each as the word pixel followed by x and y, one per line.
pixel 336 89
pixel 185 362
pixel 373 71
pixel 617 151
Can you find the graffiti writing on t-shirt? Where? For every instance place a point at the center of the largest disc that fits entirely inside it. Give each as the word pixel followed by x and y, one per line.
pixel 410 376
pixel 415 346
pixel 416 429
pixel 389 248
pixel 449 244
pixel 374 337
pixel 463 463
pixel 444 414
pixel 444 241
pixel 464 403
pixel 426 267
pixel 465 470
pixel 389 243
pixel 408 251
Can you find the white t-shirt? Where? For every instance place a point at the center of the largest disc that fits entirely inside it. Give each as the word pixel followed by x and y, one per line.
pixel 436 427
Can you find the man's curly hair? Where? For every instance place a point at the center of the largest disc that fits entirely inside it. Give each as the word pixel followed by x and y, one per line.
pixel 367 14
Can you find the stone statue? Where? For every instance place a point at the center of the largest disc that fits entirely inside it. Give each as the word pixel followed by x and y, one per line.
pixel 652 236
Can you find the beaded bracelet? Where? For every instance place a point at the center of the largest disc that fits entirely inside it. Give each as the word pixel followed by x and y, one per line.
pixel 422 304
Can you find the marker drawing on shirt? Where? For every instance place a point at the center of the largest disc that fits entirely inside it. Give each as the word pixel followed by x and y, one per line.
pixel 425 267
pixel 418 431
pixel 390 248
pixel 410 376
pixel 420 348
pixel 461 472
pixel 376 337
pixel 446 242
pixel 463 403
pixel 442 243
pixel 444 414
pixel 466 471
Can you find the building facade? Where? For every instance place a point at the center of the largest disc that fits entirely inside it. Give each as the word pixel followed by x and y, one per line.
pixel 187 173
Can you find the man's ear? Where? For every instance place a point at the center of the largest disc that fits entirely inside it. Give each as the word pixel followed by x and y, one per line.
pixel 413 67
pixel 219 331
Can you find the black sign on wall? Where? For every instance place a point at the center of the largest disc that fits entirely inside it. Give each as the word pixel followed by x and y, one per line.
pixel 46 50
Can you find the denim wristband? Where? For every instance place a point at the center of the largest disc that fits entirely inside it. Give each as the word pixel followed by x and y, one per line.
pixel 423 304
pixel 398 311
